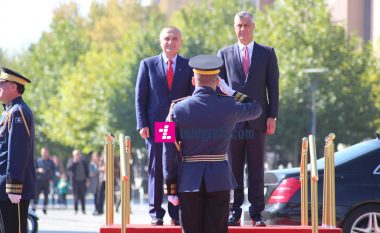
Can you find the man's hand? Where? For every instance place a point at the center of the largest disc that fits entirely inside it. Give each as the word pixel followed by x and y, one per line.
pixel 40 170
pixel 144 132
pixel 173 199
pixel 271 125
pixel 14 198
pixel 225 88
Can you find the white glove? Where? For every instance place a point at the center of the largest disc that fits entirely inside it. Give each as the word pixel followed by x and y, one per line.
pixel 14 198
pixel 173 199
pixel 225 88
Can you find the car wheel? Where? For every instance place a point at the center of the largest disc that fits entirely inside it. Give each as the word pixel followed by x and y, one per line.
pixel 32 225
pixel 365 219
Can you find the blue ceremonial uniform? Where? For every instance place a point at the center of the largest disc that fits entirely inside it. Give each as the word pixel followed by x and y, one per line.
pixel 17 171
pixel 205 122
pixel 200 172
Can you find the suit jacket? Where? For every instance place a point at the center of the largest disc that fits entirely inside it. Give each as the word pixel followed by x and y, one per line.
pixel 205 122
pixel 153 97
pixel 261 83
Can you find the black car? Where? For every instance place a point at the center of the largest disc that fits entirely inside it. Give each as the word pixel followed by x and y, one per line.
pixel 357 180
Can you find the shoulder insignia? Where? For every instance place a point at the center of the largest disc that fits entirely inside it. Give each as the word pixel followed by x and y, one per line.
pixel 18 120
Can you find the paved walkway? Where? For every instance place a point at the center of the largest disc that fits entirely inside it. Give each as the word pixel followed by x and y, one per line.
pixel 65 220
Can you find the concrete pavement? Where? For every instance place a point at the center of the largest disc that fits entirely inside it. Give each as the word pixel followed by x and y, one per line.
pixel 65 220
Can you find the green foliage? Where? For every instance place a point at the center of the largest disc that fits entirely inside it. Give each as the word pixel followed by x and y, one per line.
pixel 83 72
pixel 304 37
pixel 208 26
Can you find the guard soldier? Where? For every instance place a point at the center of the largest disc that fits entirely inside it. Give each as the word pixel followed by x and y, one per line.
pixel 17 171
pixel 199 177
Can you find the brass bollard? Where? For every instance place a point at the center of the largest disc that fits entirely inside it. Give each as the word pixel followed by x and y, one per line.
pixel 314 185
pixel 304 184
pixel 329 212
pixel 109 160
pixel 125 155
pixel 128 191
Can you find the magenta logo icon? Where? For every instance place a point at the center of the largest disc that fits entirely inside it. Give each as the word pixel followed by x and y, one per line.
pixel 164 131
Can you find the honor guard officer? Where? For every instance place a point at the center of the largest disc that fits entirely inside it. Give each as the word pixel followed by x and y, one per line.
pixel 199 176
pixel 17 171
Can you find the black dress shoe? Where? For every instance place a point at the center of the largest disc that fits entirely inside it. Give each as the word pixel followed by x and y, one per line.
pixel 157 222
pixel 96 213
pixel 233 221
pixel 258 221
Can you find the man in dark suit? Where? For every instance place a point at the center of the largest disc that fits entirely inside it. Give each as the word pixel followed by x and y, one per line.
pixel 160 80
pixel 252 69
pixel 17 141
pixel 201 173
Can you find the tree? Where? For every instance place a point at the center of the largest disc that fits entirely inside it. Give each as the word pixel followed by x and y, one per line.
pixel 44 63
pixel 208 26
pixel 304 37
pixel 96 93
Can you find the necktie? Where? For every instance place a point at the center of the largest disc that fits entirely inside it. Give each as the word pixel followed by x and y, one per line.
pixel 170 74
pixel 245 61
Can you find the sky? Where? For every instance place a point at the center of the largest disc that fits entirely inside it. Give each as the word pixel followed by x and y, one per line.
pixel 22 22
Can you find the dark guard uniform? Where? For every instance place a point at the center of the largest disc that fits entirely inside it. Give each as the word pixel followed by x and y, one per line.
pixel 17 171
pixel 200 173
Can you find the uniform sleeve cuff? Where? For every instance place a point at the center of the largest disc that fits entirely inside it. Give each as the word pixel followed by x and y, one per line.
pixel 13 186
pixel 241 98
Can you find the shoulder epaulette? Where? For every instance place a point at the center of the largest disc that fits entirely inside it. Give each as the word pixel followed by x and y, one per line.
pixel 172 105
pixel 180 99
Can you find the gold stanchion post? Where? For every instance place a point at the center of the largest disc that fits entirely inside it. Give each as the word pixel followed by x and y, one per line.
pixel 314 185
pixel 304 182
pixel 128 191
pixel 328 214
pixel 109 150
pixel 125 152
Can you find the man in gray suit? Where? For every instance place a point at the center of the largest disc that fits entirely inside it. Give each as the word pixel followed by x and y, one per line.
pixel 250 68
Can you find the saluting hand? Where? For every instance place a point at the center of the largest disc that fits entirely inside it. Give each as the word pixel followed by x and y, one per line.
pixel 225 88
pixel 144 132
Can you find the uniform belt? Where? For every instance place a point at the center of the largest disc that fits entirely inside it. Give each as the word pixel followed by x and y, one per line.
pixel 204 158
